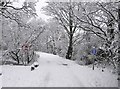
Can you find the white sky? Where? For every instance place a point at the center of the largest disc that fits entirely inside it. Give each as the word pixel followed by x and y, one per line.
pixel 39 11
pixel 39 5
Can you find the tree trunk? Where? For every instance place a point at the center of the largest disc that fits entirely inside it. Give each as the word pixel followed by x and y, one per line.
pixel 70 48
pixel 28 58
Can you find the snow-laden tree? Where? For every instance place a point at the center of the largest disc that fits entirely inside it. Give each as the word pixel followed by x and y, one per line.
pixel 8 10
pixel 18 33
pixel 53 40
pixel 63 13
pixel 119 41
pixel 101 20
pixel 15 37
pixel 15 16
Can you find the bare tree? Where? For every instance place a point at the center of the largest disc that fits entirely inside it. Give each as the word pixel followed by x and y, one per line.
pixel 119 41
pixel 63 13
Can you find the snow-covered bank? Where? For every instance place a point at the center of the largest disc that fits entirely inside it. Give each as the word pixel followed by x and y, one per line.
pixel 54 71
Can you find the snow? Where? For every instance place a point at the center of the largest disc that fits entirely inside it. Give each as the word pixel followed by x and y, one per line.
pixel 54 71
pixel 0 77
pixel 0 69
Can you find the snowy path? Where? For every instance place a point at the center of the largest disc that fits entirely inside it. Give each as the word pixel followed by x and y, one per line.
pixel 55 71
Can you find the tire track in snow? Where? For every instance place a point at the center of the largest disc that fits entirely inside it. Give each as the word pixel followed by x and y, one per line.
pixel 46 79
pixel 78 81
pixel 74 77
pixel 59 65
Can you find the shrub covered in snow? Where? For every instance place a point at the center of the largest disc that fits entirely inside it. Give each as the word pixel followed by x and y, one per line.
pixel 19 57
pixel 86 60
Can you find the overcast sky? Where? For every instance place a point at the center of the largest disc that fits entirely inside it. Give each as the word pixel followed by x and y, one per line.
pixel 39 11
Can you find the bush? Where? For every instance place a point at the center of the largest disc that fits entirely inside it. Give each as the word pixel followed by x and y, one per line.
pixel 86 60
pixel 19 57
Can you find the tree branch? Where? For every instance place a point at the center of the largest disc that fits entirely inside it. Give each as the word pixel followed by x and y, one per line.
pixel 107 11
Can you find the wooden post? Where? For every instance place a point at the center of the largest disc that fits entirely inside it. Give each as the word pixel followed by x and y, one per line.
pixel 93 64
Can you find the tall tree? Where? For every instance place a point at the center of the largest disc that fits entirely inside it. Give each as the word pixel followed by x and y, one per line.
pixel 17 31
pixel 101 20
pixel 63 13
pixel 119 41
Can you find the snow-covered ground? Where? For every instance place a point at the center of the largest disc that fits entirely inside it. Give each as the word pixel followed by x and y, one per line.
pixel 0 69
pixel 54 71
pixel 0 77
